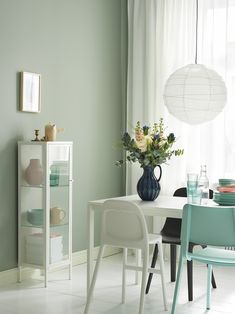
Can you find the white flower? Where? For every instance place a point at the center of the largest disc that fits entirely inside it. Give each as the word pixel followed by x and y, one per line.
pixel 142 145
pixel 144 142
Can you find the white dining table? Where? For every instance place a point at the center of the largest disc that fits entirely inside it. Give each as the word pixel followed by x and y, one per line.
pixel 163 206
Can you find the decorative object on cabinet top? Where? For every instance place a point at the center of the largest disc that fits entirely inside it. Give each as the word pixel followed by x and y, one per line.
pixel 36 132
pixel 51 132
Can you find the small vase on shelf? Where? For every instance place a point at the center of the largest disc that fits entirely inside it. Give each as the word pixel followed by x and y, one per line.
pixel 34 172
pixel 148 186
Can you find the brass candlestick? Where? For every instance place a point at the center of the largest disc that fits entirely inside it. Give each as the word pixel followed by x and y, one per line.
pixel 36 136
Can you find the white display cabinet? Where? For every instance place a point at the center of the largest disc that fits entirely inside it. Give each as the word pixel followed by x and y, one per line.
pixel 44 206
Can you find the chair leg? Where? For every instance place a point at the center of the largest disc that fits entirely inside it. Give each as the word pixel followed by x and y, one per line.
pixel 190 275
pixel 92 286
pixel 144 279
pixel 153 264
pixel 213 277
pixel 138 262
pixel 124 262
pixel 213 283
pixel 162 269
pixel 173 261
pixel 190 280
pixel 213 280
pixel 177 285
pixel 209 275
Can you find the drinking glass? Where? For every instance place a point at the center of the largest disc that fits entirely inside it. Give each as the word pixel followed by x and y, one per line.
pixel 197 196
pixel 192 185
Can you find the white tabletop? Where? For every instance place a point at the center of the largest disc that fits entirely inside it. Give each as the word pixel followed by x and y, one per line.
pixel 164 206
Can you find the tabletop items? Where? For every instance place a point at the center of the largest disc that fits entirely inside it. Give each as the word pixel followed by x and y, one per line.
pixel 225 192
pixel 150 147
pixel 198 187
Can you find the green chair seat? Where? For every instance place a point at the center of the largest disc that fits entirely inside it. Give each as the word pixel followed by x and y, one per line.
pixel 214 256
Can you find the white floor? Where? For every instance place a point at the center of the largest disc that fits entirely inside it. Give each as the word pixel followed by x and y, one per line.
pixel 68 297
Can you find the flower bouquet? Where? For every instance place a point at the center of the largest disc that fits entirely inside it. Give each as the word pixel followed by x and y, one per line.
pixel 150 147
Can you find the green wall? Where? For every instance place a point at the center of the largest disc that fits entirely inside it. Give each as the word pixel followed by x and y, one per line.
pixel 78 47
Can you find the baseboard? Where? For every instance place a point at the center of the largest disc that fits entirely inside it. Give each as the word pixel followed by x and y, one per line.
pixel 81 256
pixel 11 275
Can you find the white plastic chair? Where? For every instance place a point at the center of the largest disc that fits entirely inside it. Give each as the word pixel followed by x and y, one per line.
pixel 124 226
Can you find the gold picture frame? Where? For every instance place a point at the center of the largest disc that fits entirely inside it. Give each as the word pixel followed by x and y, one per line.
pixel 30 92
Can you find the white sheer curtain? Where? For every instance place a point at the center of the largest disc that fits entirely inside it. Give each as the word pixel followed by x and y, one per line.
pixel 161 38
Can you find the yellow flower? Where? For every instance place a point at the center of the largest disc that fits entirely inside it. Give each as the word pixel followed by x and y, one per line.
pixel 149 139
pixel 162 142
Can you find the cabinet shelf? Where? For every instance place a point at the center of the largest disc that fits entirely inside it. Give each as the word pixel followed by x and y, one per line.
pixel 42 186
pixel 28 225
pixel 32 186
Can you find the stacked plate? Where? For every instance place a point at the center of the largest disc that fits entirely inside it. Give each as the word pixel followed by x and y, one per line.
pixel 225 194
pixel 224 198
pixel 223 182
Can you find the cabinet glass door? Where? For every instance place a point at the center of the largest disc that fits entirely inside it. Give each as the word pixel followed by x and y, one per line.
pixel 59 199
pixel 31 204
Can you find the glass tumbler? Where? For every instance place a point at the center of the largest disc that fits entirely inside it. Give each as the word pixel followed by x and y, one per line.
pixel 192 186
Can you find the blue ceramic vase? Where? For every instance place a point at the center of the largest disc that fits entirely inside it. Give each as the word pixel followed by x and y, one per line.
pixel 148 187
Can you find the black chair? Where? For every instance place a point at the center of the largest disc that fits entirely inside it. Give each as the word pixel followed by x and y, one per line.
pixel 171 235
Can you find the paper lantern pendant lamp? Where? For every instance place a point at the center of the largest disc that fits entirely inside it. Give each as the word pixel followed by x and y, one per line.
pixel 195 94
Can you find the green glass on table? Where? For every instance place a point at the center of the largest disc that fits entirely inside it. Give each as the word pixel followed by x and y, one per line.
pixel 193 192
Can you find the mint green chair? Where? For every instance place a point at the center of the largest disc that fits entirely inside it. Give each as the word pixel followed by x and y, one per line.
pixel 211 226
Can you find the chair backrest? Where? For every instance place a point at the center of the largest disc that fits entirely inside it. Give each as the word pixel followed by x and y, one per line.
pixel 172 226
pixel 208 226
pixel 123 225
pixel 182 192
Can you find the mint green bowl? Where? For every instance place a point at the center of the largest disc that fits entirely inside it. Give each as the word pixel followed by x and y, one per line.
pixel 35 216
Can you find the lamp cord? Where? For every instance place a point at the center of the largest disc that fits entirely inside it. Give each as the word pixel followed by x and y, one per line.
pixel 196 30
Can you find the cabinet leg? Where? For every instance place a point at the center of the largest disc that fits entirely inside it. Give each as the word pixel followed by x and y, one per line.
pixel 70 271
pixel 45 278
pixel 19 274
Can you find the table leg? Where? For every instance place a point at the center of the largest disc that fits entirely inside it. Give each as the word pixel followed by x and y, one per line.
pixel 90 228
